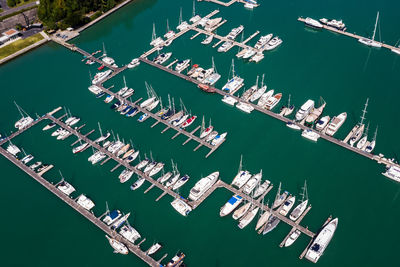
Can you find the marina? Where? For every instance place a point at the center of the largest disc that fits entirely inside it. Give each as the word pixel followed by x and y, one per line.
pixel 166 190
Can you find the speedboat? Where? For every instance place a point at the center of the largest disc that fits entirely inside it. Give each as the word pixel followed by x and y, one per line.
pixel 336 123
pixel 49 126
pixel 273 101
pixel 160 59
pixel 101 76
pixel 275 42
pixel 263 41
pixel 80 148
pixel 313 23
pixel 225 46
pixel 207 40
pixel 134 63
pixel 109 98
pixel 182 65
pixel 176 260
pixel 27 159
pixel 305 109
pixel 154 248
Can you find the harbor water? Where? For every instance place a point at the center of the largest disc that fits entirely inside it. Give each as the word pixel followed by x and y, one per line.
pixel 308 65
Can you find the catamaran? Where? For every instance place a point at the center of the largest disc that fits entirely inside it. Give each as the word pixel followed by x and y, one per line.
pixel 24 121
pixel 129 233
pixel 241 177
pixel 234 83
pixel 371 42
pixel 85 202
pixel 252 183
pixel 180 206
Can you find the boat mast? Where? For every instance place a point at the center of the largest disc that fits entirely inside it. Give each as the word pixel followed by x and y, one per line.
pixel 305 193
pixel 169 101
pixel 376 23
pixel 375 134
pixel 278 193
pixel 104 50
pixel 101 132
pixel 19 109
pixel 107 209
pixel 202 125
pixel 153 35
pixel 124 81
pixel 180 16
pixel 366 130
pixel 213 65
pixel 62 177
pixel 210 123
pixel 288 102
pixel 233 68
pixel 194 9
pixel 167 26
pixel 364 111
pixel 240 163
pixel 262 80
pixel 257 82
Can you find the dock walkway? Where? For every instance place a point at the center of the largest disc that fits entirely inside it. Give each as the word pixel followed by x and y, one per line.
pixel 87 214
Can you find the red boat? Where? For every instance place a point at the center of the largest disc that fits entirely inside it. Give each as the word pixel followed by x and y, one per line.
pixel 189 121
pixel 101 67
pixel 206 88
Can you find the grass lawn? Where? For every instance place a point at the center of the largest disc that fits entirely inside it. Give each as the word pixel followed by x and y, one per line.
pixel 18 45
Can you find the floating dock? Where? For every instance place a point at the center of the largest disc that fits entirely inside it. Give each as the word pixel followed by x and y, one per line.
pixel 353 35
pixel 379 159
pixel 226 4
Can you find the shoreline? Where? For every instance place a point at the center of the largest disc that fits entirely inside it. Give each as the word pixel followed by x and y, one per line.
pixel 76 33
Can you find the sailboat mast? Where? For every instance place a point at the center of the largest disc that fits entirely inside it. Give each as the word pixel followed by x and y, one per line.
pixel 364 111
pixel 101 132
pixel 104 50
pixel 180 16
pixel 262 80
pixel 288 102
pixel 240 163
pixel 167 26
pixel 153 35
pixel 376 23
pixel 257 82
pixel 233 68
pixel 194 9
pixel 376 133
pixel 202 125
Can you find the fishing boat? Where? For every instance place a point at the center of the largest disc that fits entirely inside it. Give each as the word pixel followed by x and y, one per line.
pixel 138 183
pixel 371 42
pixel 292 238
pixel 279 198
pixel 241 211
pixel 117 246
pixel 310 135
pixel 261 188
pixel 299 209
pixel 271 224
pixel 203 185
pixel 229 206
pixel 322 123
pixel 180 206
pixel 183 180
pixel 335 123
pixel 248 218
pixel 154 248
pixel 321 241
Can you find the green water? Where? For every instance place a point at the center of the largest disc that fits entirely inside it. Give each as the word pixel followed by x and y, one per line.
pixel 40 230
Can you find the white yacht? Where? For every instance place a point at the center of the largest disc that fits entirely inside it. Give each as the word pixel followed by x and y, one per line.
pixel 305 109
pixel 182 65
pixel 233 85
pixel 159 166
pixel 287 206
pixel 252 183
pixel 263 41
pixel 101 76
pixel 164 177
pixel 147 102
pixel 207 40
pixel 261 189
pixel 311 135
pixel 125 175
pixel 229 100
pixel 274 43
pixel 129 233
pixel 182 207
pixel 262 101
pixel 393 172
pixel 322 123
pixel 160 59
pixel 245 107
pixel 80 148
pixel 336 123
pixel 218 139
pixel 183 180
pixel 111 217
pixel 154 248
pixel 322 240
pixel 229 206
pixel 298 210
pixel 139 182
pixel 257 57
pixel 225 46
pixel 117 246
pixel 248 218
pixel 134 63
pixel 249 53
pixel 85 202
pixel 293 237
pixel 108 60
pixel 66 188
pixel 241 179
pixel 27 159
pixel 203 185
pixel 313 23
pixel 95 89
pixel 235 32
pixel 273 101
pixel 371 42
pixel 211 23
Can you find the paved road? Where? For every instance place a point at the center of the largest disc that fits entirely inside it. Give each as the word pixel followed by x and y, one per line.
pixel 8 10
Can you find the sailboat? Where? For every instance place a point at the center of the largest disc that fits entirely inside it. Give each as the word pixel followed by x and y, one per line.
pixel 260 91
pixel 299 209
pixel 233 83
pixel 396 48
pixel 363 141
pixel 371 145
pixel 359 128
pixel 169 33
pixel 287 110
pixel 24 121
pixel 279 198
pixel 155 41
pixel 182 25
pixel 371 42
pixel 214 76
pixel 106 59
pixel 263 219
pixel 195 18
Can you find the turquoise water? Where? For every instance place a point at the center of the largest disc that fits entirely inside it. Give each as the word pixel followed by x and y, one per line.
pixel 309 64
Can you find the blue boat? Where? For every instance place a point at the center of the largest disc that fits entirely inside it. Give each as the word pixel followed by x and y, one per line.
pixel 100 95
pixel 143 117
pixel 115 105
pixel 130 112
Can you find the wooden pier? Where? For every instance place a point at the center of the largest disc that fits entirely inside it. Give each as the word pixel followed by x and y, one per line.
pixel 353 35
pixel 87 214
pixel 168 125
pixel 226 4
pixel 379 159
